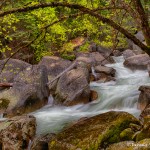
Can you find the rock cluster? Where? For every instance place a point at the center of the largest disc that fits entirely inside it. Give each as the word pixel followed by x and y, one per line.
pixel 30 91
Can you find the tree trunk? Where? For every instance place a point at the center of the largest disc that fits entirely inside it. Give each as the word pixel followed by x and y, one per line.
pixel 144 21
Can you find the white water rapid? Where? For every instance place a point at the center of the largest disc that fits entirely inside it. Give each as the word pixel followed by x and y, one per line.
pixel 119 95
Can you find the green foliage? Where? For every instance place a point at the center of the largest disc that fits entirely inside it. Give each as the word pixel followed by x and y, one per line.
pixel 84 47
pixel 25 27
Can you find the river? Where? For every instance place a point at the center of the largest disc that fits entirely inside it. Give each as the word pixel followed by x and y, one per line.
pixel 119 95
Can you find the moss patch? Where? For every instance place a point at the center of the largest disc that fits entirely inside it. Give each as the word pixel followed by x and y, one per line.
pixel 4 103
pixel 93 133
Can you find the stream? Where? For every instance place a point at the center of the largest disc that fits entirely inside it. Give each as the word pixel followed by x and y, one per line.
pixel 119 95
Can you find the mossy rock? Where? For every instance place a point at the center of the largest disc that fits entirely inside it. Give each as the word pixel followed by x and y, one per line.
pixel 130 145
pixel 4 103
pixel 93 133
pixel 125 145
pixel 127 134
pixel 144 133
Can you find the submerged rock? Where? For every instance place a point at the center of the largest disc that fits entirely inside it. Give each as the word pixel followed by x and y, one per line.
pixel 137 62
pixel 16 133
pixel 29 92
pixel 93 133
pixel 93 95
pixel 73 88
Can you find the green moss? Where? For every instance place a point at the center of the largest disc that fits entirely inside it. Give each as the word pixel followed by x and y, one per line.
pixel 68 57
pixel 127 134
pixel 96 132
pixel 4 103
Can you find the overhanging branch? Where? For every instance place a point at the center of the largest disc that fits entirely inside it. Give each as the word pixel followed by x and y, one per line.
pixel 87 11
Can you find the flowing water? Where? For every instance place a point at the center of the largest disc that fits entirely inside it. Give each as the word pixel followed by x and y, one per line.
pixel 119 95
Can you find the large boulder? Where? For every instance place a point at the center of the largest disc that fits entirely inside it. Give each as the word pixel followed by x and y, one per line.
pixel 92 59
pixel 16 133
pixel 106 70
pixel 144 98
pixel 102 74
pixel 128 53
pixel 137 62
pixel 29 92
pixel 55 65
pixel 72 87
pixel 9 68
pixel 93 133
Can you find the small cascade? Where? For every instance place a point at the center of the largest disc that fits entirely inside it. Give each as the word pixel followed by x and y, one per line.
pixel 29 145
pixel 50 100
pixel 93 72
pixel 119 95
pixel 1 116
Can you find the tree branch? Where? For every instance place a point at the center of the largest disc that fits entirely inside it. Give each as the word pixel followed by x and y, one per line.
pixel 87 11
pixel 144 20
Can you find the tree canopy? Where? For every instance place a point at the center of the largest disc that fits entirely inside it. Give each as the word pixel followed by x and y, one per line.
pixel 41 27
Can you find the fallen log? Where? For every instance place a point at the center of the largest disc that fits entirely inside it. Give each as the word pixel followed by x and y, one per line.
pixel 6 84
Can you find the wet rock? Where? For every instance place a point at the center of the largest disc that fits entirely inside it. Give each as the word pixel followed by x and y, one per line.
pixel 144 97
pixel 16 133
pixel 92 59
pixel 93 133
pixel 106 70
pixel 144 133
pixel 93 95
pixel 102 74
pixel 145 115
pixel 11 69
pixel 72 87
pixel 137 62
pixel 101 77
pixel 128 53
pixel 41 142
pixel 29 92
